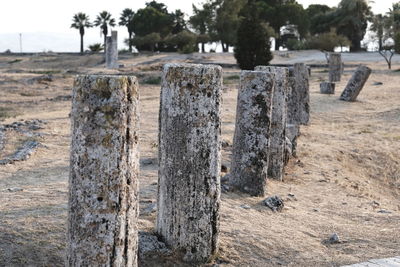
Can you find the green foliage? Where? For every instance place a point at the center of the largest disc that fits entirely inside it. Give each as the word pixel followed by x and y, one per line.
pixel 103 20
pixel 253 39
pixel 202 23
pixel 154 18
pixel 294 44
pixel 184 41
pixel 320 17
pixel 227 21
pixel 397 42
pixel 96 47
pixel 81 21
pixel 327 41
pixel 148 42
pixel 126 19
pixel 351 19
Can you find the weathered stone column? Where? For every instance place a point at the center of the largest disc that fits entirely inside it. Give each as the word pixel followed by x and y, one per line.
pixel 327 88
pixel 356 83
pixel 251 141
pixel 335 67
pixel 298 107
pixel 103 193
pixel 278 121
pixel 112 51
pixel 190 159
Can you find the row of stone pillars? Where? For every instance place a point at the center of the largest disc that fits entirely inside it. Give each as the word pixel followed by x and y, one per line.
pixel 103 192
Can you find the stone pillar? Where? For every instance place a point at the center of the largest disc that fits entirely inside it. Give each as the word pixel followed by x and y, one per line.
pixel 327 88
pixel 335 67
pixel 190 159
pixel 278 121
pixel 251 141
pixel 103 182
pixel 298 107
pixel 112 51
pixel 356 83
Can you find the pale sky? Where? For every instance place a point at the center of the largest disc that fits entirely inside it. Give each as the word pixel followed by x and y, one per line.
pixel 45 24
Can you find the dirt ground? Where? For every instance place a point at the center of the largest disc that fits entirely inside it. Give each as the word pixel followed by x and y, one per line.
pixel 345 179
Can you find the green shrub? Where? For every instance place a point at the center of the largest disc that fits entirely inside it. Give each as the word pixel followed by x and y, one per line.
pixel 253 45
pixel 397 42
pixel 327 41
pixel 294 44
pixel 153 80
pixel 96 47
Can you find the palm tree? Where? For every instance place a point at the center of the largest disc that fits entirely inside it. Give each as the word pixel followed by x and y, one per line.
pixel 80 22
pixel 104 20
pixel 126 19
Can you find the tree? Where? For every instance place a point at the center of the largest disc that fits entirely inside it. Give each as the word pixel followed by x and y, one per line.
pixel 126 19
pixel 201 21
pixel 320 18
pixel 153 18
pixel 179 23
pixel 351 19
pixel 148 42
pixel 327 41
pixel 227 21
pixel 184 41
pixel 378 26
pixel 81 21
pixel 253 45
pixel 279 13
pixel 103 20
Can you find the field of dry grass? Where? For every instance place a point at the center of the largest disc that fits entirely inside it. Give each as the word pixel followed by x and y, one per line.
pixel 345 179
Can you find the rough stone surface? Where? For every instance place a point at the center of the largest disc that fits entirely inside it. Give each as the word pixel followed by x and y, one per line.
pixel 103 182
pixel 252 132
pixel 292 132
pixel 150 246
pixel 112 50
pixel 298 107
pixel 22 153
pixel 335 67
pixel 278 121
pixel 356 83
pixel 190 159
pixel 275 203
pixel 327 88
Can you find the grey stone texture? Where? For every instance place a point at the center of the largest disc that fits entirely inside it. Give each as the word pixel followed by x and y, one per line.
pixel 327 88
pixel 251 141
pixel 112 51
pixel 298 107
pixel 356 83
pixel 335 67
pixel 190 159
pixel 278 121
pixel 104 165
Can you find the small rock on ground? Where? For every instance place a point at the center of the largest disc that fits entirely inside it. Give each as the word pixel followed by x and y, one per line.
pixel 275 203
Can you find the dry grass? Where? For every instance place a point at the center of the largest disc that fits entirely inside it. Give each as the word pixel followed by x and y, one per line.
pixel 347 171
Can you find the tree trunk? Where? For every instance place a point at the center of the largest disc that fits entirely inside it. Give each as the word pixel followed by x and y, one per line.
pixel 103 182
pixel 203 47
pixel 251 141
pixel 299 95
pixel 81 43
pixel 130 42
pixel 278 121
pixel 356 84
pixel 105 43
pixel 335 67
pixel 190 159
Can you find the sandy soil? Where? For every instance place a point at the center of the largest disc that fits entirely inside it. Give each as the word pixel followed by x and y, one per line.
pixel 345 179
